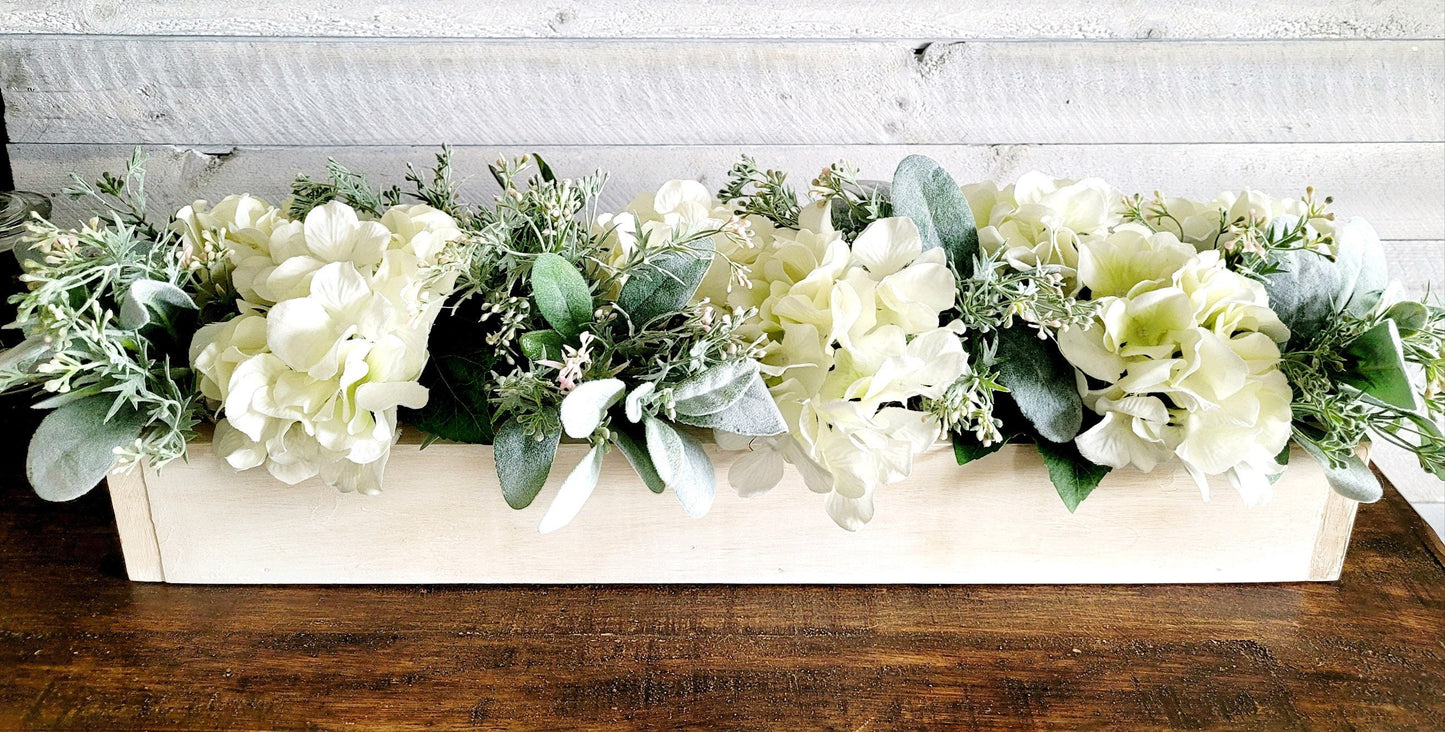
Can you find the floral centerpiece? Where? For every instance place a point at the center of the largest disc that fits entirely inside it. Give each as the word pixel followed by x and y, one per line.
pixel 840 334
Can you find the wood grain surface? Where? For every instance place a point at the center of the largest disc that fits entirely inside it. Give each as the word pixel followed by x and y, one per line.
pixel 249 91
pixel 804 19
pixel 82 648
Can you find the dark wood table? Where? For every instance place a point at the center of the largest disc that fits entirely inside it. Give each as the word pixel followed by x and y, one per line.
pixel 81 647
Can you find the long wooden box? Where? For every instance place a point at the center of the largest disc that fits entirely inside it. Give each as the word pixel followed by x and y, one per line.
pixel 442 519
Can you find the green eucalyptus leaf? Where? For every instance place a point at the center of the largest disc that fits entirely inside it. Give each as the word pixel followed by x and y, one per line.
pixel 1073 476
pixel 1377 367
pixel 1041 383
pixel 144 297
pixel 967 449
pixel 542 345
pixel 561 294
pixel 924 192
pixel 665 283
pixel 523 461
pixel 633 447
pixel 714 389
pixel 754 414
pixel 1410 317
pixel 1353 480
pixel 74 447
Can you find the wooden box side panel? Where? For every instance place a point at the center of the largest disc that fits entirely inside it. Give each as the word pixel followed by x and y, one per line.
pixel 442 519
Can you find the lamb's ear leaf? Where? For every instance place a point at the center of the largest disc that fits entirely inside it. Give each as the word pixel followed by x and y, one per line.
pixel 1041 383
pixel 665 447
pixel 754 414
pixel 695 485
pixel 542 345
pixel 523 461
pixel 1304 291
pixel 1353 480
pixel 924 192
pixel 1377 367
pixel 625 437
pixel 665 283
pixel 74 446
pixel 1361 260
pixel 715 389
pixel 145 297
pixel 561 294
pixel 575 491
pixel 1073 476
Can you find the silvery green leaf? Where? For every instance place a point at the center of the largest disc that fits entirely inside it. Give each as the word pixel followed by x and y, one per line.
pixel 665 447
pixel 1353 481
pixel 561 294
pixel 714 389
pixel 1304 292
pixel 26 354
pixel 584 407
pixel 1041 383
pixel 665 283
pixel 74 447
pixel 523 462
pixel 1377 367
pixel 575 491
pixel 633 405
pixel 627 440
pixel 147 296
pixel 924 192
pixel 1361 260
pixel 60 400
pixel 754 414
pixel 695 484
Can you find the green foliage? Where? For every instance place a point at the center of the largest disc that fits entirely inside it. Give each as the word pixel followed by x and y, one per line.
pixel 925 192
pixel 631 443
pixel 1073 476
pixel 658 289
pixel 966 450
pixel 561 294
pixel 1377 366
pixel 108 314
pixel 74 446
pixel 523 461
pixel 756 192
pixel 1041 382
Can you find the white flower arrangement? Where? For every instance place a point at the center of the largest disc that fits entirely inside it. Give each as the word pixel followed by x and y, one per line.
pixel 843 334
pixel 330 336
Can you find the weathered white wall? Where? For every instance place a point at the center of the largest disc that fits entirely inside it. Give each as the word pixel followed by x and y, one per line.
pixel 1186 97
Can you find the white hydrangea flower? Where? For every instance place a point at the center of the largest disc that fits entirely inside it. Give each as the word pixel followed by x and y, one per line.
pixel 852 334
pixel 310 385
pixel 1185 350
pixel 1205 224
pixel 1040 220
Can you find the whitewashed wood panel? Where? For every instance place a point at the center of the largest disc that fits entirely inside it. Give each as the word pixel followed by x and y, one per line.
pixel 1396 186
pixel 441 518
pixel 345 92
pixel 962 19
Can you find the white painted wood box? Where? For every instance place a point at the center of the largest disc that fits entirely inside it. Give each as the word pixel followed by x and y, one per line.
pixel 442 519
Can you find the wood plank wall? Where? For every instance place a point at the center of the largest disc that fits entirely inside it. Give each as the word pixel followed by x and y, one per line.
pixel 1184 97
